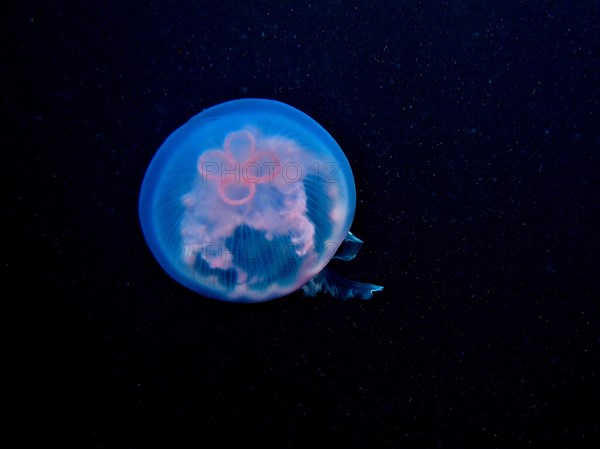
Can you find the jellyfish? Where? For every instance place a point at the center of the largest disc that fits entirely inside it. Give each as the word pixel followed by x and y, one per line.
pixel 248 202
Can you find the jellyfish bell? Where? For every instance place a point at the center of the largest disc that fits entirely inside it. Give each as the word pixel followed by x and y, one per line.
pixel 248 202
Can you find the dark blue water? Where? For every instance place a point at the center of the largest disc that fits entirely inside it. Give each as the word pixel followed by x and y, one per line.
pixel 472 130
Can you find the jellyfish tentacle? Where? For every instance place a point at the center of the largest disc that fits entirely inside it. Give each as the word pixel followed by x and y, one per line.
pixel 339 287
pixel 349 248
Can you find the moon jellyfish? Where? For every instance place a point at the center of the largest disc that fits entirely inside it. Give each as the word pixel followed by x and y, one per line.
pixel 248 202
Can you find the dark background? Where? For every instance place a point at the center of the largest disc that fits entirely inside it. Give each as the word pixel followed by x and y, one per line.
pixel 472 129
